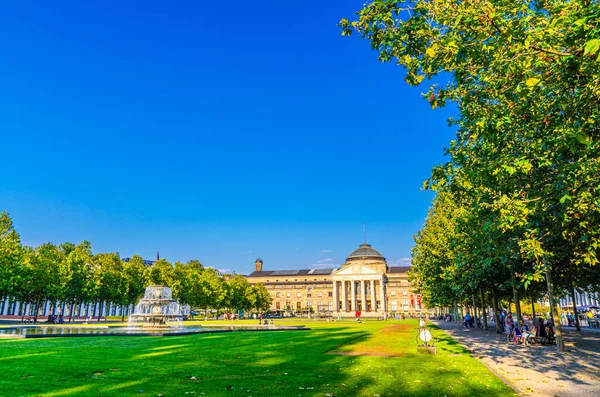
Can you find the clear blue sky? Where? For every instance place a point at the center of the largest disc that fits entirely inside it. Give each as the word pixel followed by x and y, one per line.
pixel 219 131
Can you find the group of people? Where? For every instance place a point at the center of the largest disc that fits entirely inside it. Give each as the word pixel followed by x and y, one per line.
pixel 54 319
pixel 265 322
pixel 527 330
pixel 470 321
pixel 591 316
pixel 230 317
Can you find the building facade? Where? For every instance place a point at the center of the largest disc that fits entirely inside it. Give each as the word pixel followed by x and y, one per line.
pixel 364 283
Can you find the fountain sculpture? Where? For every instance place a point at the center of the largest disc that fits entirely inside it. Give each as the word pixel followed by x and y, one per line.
pixel 156 308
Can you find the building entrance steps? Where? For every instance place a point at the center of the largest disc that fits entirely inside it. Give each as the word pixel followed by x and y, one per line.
pixel 536 370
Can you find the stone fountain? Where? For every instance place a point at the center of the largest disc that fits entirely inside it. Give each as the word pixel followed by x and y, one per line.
pixel 156 308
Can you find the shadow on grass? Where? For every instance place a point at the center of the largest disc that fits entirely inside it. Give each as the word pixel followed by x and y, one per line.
pixel 241 364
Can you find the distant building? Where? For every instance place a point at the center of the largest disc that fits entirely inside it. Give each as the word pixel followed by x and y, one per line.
pixel 364 283
pixel 146 261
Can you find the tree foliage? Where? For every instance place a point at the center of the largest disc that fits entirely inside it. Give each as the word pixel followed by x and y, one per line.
pixel 525 79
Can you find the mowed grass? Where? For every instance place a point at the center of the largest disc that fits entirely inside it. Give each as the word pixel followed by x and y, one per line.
pixel 344 358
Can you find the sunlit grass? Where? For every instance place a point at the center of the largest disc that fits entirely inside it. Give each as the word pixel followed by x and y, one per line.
pixel 285 363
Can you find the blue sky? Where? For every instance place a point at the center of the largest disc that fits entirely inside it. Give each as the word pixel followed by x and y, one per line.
pixel 220 131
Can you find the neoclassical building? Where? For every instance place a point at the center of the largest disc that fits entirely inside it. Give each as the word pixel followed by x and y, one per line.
pixel 364 283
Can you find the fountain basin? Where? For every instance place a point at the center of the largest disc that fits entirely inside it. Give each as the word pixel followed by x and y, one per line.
pixel 58 332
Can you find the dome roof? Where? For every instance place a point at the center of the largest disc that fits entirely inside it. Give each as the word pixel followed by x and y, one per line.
pixel 365 252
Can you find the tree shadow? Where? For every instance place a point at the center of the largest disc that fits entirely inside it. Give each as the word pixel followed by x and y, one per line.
pixel 241 364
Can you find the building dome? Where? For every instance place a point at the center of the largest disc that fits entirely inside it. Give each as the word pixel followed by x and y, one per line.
pixel 365 252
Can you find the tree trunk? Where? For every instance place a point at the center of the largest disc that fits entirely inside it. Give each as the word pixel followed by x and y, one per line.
pixel 122 313
pixel 475 316
pixel 100 310
pixel 484 315
pixel 71 311
pixel 454 311
pixel 496 314
pixel 516 296
pixel 532 306
pixel 560 343
pixel 575 309
pixel 35 315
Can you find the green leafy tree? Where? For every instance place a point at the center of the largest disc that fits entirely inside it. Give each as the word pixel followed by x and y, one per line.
pixel 137 279
pixel 109 282
pixel 259 298
pixel 525 78
pixel 11 257
pixel 161 273
pixel 76 271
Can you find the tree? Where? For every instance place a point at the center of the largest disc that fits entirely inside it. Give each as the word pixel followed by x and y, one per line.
pixel 161 273
pixel 238 293
pixel 136 278
pixel 525 79
pixel 260 298
pixel 109 281
pixel 214 291
pixel 11 257
pixel 76 271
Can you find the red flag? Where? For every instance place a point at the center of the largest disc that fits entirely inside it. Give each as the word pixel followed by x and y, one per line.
pixel 412 300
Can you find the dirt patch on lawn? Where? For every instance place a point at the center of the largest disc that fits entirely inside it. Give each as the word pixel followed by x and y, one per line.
pixel 377 346
pixel 370 352
pixel 398 328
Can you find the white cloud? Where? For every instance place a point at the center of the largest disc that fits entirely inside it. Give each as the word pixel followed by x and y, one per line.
pixel 400 262
pixel 327 251
pixel 326 263
pixel 225 271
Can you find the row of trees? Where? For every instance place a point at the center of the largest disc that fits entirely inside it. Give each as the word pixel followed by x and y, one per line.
pixel 517 207
pixel 72 274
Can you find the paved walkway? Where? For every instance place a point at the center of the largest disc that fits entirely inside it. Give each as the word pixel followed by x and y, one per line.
pixel 537 370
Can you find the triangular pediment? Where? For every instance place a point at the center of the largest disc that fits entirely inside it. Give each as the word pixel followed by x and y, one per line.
pixel 356 270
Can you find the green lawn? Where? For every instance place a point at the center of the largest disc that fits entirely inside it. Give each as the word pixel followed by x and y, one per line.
pixel 336 359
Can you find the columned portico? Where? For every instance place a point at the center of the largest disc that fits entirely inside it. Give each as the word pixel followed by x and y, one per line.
pixel 382 294
pixel 363 300
pixel 353 294
pixel 364 273
pixel 373 300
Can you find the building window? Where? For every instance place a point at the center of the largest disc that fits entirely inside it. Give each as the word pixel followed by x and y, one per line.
pixel 330 304
pixel 319 294
pixel 278 305
pixel 394 306
pixel 309 295
pixel 298 305
pixel 393 293
pixel 288 295
pixel 330 294
pixel 309 303
pixel 405 293
pixel 277 294
pixel 299 295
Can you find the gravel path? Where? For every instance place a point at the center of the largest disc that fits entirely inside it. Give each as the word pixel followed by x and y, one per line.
pixel 537 370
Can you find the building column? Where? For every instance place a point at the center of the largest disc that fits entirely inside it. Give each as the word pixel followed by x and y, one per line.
pixel 363 296
pixel 344 297
pixel 353 294
pixel 335 297
pixel 382 295
pixel 4 304
pixel 373 299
